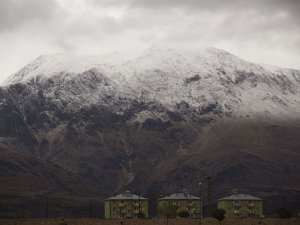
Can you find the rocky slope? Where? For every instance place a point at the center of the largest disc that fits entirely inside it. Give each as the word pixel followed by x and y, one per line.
pixel 155 124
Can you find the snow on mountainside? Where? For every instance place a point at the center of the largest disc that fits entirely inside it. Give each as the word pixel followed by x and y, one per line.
pixel 202 80
pixel 51 64
pixel 153 124
pixel 177 61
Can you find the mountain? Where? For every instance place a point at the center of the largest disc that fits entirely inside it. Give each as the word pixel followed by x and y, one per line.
pixel 154 123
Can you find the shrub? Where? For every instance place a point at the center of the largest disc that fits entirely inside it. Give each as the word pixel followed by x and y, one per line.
pixel 218 214
pixel 283 213
pixel 141 215
pixel 183 214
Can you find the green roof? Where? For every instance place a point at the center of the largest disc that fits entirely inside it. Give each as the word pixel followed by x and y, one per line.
pixel 240 197
pixel 126 196
pixel 179 196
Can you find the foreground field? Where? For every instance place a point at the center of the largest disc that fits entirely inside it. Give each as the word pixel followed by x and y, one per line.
pixel 207 221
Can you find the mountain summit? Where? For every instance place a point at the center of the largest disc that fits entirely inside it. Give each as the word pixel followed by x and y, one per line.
pixel 168 76
pixel 154 123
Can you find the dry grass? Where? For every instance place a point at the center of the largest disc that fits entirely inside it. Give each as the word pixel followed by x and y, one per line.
pixel 207 221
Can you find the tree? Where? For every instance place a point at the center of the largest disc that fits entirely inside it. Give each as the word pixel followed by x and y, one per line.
pixel 168 211
pixel 283 213
pixel 218 214
pixel 141 215
pixel 183 214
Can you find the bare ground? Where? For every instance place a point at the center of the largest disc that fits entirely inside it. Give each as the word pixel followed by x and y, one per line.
pixel 207 221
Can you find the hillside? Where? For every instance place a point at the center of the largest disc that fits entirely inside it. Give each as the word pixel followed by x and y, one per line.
pixel 92 126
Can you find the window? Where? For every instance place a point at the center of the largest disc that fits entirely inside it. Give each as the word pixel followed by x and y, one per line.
pixel 235 202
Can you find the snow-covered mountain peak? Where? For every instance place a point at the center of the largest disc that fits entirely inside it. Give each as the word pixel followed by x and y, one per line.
pixel 52 64
pixel 180 63
pixel 183 63
pixel 203 61
pixel 202 81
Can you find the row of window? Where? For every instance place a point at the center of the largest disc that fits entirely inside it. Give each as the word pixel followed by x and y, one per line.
pixel 235 202
pixel 123 201
pixel 236 209
pixel 134 209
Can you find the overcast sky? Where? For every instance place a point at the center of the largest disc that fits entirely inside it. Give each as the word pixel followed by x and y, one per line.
pixel 263 31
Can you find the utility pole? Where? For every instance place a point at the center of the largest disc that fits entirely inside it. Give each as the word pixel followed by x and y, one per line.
pixel 22 209
pixel 139 202
pixel 90 208
pixel 283 199
pixel 209 192
pixel 73 210
pixel 47 208
pixel 191 209
pixel 131 205
pixel 201 201
pixel 209 189
pixel 63 210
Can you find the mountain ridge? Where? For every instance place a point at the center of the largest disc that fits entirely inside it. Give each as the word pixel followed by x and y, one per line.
pixel 119 58
pixel 172 71
pixel 155 124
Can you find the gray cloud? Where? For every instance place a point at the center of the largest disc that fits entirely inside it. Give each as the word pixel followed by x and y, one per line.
pixel 15 13
pixel 239 19
pixel 292 6
pixel 263 15
pixel 266 31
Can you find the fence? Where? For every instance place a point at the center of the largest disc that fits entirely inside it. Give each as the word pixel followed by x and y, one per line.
pixel 51 208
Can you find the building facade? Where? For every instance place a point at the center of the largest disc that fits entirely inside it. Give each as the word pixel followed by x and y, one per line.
pixel 241 206
pixel 173 204
pixel 126 205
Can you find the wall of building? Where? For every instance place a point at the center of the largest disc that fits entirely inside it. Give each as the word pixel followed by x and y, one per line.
pixel 125 208
pixel 180 205
pixel 243 207
pixel 107 209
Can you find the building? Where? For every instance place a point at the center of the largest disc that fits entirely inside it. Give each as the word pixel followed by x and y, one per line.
pixel 241 206
pixel 180 202
pixel 126 205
